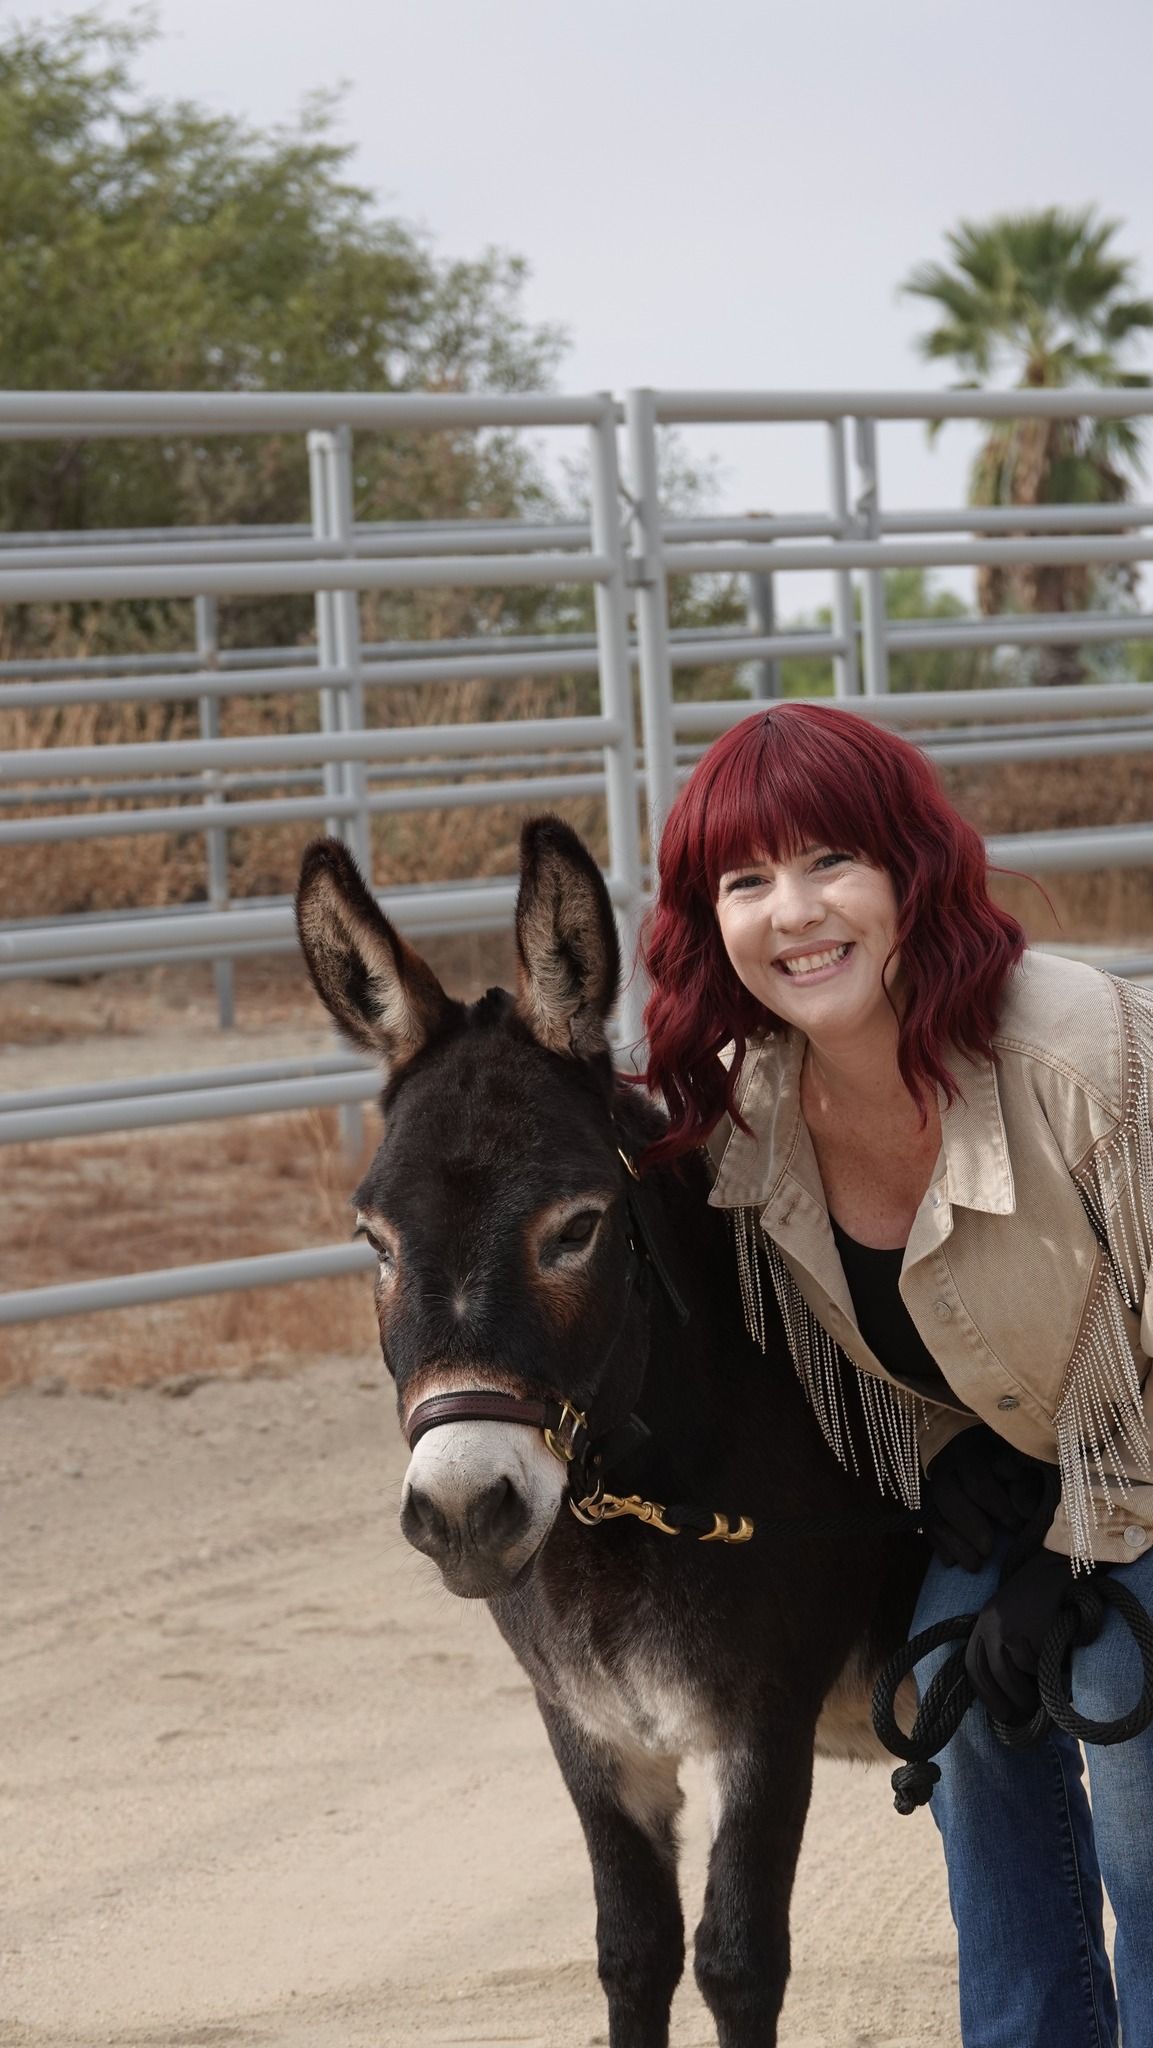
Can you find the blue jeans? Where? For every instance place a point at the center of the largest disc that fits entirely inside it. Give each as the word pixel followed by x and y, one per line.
pixel 1026 1857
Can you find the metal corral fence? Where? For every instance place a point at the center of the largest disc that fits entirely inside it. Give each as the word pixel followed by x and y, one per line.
pixel 631 752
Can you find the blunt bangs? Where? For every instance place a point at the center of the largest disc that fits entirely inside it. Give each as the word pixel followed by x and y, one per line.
pixel 778 784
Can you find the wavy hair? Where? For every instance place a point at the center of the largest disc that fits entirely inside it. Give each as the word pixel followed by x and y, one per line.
pixel 809 774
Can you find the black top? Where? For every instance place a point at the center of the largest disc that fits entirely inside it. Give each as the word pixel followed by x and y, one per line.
pixel 883 1320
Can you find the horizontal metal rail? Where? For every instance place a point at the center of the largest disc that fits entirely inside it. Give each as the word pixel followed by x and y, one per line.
pixel 80 413
pixel 1021 519
pixel 1088 629
pixel 362 547
pixel 179 662
pixel 916 707
pixel 272 778
pixel 186 1106
pixel 785 557
pixel 31 947
pixel 1070 852
pixel 685 408
pixel 195 1078
pixel 389 743
pixel 286 579
pixel 82 963
pixel 431 668
pixel 182 1283
pixel 291 810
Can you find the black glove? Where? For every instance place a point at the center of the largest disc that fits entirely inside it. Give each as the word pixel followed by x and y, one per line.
pixel 1004 1648
pixel 977 1487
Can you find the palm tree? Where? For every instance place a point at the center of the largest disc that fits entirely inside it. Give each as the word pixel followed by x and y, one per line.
pixel 1046 295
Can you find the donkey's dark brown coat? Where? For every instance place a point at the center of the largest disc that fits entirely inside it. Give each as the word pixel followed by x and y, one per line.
pixel 496 1201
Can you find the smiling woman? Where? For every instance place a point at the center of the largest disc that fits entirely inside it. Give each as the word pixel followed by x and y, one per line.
pixel 936 1152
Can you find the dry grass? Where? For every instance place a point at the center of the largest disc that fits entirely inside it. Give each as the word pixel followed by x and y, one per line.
pixel 150 871
pixel 125 1203
pixel 1027 796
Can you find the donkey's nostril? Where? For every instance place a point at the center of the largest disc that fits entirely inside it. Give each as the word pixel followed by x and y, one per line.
pixel 497 1516
pixel 423 1523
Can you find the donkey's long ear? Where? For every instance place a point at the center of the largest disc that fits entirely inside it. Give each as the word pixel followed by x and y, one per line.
pixel 382 994
pixel 566 940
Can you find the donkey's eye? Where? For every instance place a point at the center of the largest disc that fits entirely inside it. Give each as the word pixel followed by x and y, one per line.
pixel 381 1250
pixel 577 1232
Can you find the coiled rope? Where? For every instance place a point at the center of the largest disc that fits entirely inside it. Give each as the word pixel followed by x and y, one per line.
pixel 950 1693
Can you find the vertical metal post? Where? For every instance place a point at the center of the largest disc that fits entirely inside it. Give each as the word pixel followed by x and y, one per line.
pixel 761 613
pixel 341 705
pixel 322 523
pixel 346 635
pixel 874 637
pixel 216 836
pixel 615 667
pixel 656 675
pixel 846 673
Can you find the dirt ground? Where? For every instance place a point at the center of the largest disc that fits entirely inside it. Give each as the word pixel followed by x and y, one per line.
pixel 264 1782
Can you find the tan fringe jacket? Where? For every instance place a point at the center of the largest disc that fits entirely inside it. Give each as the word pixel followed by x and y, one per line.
pixel 1027 1270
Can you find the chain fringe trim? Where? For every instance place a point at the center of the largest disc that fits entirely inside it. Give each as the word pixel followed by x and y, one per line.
pixel 892 1416
pixel 1102 1405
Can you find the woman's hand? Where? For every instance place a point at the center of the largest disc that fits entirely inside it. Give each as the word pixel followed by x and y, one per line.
pixel 977 1487
pixel 1005 1646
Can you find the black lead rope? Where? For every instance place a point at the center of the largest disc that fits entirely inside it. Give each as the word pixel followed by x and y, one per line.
pixel 950 1693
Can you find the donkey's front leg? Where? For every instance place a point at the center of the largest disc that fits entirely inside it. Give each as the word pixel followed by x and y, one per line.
pixel 742 1944
pixel 628 1803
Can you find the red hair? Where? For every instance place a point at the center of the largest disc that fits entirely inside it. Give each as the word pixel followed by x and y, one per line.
pixel 808 774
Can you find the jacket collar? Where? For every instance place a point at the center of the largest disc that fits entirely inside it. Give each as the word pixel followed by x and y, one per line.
pixel 975 1151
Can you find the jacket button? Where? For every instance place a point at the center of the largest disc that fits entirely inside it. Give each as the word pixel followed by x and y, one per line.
pixel 1008 1401
pixel 934 1201
pixel 942 1311
pixel 1136 1538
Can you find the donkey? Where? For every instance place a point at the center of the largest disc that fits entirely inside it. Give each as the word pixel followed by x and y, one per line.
pixel 526 1277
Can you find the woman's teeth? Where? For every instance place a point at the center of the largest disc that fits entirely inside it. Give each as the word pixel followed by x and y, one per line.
pixel 808 963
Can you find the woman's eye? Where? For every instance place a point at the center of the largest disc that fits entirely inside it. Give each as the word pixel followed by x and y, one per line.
pixel 828 860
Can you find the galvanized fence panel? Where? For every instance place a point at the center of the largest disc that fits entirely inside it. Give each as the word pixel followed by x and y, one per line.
pixel 625 551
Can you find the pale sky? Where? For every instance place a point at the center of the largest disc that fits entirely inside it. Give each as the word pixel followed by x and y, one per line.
pixel 720 194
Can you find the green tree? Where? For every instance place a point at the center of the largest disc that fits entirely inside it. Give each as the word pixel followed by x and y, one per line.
pixel 1047 296
pixel 156 246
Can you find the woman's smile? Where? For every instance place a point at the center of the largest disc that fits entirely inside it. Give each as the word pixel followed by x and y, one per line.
pixel 814 964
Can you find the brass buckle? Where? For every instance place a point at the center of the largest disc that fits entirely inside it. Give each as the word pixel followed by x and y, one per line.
pixel 561 1440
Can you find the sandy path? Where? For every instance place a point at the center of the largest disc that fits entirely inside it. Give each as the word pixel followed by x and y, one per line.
pixel 262 1781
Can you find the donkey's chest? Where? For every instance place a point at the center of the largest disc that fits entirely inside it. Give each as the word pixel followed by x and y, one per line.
pixel 649 1692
